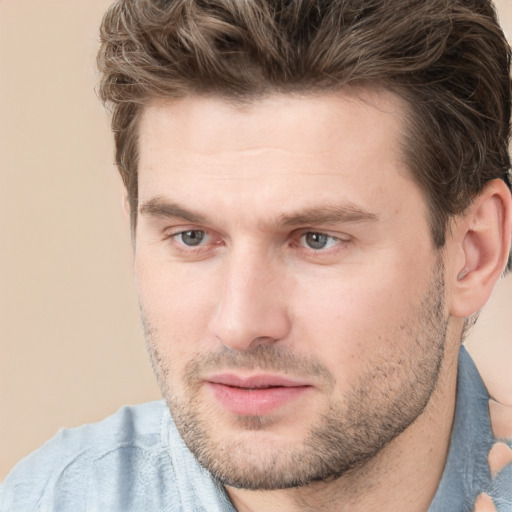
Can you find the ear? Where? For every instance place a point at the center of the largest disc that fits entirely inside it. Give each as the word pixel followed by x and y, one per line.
pixel 481 237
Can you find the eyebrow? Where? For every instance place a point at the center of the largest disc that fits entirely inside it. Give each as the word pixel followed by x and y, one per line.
pixel 159 207
pixel 328 214
pixel 325 214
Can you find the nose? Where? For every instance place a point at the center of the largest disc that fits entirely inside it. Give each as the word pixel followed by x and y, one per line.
pixel 251 308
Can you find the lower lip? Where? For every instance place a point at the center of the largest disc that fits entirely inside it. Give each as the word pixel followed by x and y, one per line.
pixel 255 402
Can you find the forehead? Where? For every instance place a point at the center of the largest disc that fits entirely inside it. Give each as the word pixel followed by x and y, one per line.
pixel 275 155
pixel 207 124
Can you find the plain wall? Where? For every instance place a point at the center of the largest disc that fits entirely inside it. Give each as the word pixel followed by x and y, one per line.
pixel 71 348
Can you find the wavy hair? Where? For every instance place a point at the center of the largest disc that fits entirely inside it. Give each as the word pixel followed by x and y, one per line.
pixel 448 59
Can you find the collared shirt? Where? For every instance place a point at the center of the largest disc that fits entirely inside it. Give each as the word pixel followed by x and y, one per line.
pixel 135 460
pixel 473 479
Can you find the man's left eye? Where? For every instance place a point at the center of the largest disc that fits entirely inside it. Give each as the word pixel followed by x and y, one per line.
pixel 191 238
pixel 318 241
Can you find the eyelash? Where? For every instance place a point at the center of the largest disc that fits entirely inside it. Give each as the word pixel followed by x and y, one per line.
pixel 185 249
pixel 296 242
pixel 329 238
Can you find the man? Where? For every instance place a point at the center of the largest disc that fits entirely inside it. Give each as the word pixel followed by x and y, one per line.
pixel 320 206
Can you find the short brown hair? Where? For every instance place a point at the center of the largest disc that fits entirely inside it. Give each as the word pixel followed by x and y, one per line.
pixel 448 58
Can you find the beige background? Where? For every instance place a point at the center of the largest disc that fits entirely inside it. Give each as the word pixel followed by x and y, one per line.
pixel 71 349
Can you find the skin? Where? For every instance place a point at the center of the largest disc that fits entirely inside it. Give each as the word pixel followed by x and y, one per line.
pixel 365 322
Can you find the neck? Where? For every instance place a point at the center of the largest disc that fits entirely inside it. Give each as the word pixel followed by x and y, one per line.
pixel 404 475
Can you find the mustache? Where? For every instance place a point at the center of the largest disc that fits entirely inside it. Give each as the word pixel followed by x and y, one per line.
pixel 268 358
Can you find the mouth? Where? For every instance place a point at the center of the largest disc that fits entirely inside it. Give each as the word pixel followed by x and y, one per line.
pixel 256 395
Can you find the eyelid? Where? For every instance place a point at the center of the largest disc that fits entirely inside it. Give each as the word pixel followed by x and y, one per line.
pixel 210 241
pixel 204 240
pixel 343 237
pixel 183 228
pixel 336 243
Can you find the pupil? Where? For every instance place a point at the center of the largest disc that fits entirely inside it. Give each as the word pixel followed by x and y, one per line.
pixel 316 240
pixel 192 237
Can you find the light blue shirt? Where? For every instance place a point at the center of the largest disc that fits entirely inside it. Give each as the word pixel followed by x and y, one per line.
pixel 135 460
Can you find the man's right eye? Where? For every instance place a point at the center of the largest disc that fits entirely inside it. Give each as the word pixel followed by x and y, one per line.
pixel 191 238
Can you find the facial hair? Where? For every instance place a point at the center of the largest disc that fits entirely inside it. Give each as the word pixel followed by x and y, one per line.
pixel 387 397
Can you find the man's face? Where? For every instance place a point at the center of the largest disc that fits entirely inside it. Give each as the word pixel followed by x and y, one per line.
pixel 291 296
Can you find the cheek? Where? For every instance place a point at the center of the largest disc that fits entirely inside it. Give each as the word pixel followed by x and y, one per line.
pixel 176 304
pixel 354 320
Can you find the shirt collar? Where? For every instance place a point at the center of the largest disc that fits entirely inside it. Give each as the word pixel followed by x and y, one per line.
pixel 466 473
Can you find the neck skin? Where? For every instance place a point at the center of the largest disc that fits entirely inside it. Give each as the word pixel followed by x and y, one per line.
pixel 404 475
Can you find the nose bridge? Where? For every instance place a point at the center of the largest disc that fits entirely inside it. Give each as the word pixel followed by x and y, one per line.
pixel 251 308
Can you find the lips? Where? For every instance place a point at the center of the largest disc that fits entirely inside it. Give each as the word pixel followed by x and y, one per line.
pixel 255 395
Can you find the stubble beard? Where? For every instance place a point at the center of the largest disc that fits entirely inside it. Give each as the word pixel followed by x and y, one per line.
pixel 386 399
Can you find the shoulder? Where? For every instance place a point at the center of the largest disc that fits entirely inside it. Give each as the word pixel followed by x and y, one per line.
pixel 118 456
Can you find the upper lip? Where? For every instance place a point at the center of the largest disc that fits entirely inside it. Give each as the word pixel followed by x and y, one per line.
pixel 255 381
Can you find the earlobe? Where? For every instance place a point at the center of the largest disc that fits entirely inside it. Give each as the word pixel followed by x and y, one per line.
pixel 483 238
